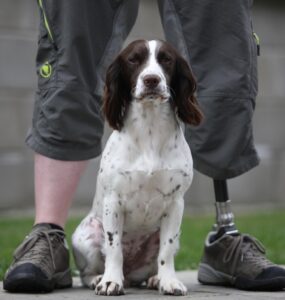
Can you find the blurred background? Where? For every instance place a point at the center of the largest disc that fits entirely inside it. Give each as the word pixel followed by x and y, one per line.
pixel 261 189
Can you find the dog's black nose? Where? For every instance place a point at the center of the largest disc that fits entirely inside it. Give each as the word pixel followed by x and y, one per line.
pixel 151 81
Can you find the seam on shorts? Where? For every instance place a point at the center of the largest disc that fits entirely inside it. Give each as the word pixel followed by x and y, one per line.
pixel 178 22
pixel 107 47
pixel 213 172
pixel 229 96
pixel 74 89
pixel 70 87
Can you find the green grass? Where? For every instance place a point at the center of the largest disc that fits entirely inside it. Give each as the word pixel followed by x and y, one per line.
pixel 267 227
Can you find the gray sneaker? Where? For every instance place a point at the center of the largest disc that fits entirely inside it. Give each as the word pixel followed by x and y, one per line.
pixel 239 261
pixel 41 262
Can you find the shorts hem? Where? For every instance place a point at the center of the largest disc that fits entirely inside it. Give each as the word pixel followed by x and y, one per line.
pixel 215 173
pixel 62 153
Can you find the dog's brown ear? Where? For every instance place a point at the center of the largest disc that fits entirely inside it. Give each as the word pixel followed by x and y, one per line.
pixel 117 95
pixel 183 86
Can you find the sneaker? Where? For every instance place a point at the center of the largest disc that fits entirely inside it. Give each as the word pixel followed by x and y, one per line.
pixel 239 261
pixel 41 262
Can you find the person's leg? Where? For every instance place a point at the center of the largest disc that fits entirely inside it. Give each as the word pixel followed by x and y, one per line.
pixel 76 42
pixel 217 39
pixel 224 215
pixel 55 184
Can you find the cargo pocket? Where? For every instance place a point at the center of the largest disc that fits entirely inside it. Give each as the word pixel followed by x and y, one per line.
pixel 46 60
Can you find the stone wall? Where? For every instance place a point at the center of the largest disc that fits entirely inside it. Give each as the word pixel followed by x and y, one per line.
pixel 261 188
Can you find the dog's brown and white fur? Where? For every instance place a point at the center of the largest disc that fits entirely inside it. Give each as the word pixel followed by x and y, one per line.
pixel 132 232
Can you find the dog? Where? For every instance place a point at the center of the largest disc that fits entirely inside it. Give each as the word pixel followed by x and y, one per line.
pixel 132 232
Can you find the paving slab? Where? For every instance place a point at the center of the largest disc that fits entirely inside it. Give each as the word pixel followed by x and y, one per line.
pixel 195 291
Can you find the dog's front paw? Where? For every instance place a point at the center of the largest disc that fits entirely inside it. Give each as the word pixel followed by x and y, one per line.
pixel 153 283
pixel 95 281
pixel 109 288
pixel 172 286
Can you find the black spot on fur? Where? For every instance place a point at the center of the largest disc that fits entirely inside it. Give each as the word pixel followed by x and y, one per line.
pixel 162 262
pixel 177 188
pixel 170 241
pixel 110 237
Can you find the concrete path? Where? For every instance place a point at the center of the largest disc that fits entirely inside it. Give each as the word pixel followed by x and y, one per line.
pixel 195 291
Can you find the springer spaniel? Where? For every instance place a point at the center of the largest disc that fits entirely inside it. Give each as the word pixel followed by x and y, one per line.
pixel 132 232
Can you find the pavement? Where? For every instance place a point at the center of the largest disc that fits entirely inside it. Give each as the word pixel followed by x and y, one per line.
pixel 189 278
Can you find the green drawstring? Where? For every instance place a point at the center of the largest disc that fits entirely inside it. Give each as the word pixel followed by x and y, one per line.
pixel 46 20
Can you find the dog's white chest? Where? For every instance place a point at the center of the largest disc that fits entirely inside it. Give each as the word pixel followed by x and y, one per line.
pixel 148 195
pixel 145 171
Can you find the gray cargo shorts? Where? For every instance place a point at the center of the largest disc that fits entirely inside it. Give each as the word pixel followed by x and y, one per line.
pixel 79 38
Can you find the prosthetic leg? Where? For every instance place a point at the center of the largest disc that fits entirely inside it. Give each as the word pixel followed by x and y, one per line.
pixel 224 216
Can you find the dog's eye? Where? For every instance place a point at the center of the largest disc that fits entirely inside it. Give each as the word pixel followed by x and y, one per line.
pixel 134 59
pixel 165 59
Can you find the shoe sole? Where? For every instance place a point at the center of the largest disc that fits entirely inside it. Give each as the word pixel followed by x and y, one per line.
pixel 23 283
pixel 209 276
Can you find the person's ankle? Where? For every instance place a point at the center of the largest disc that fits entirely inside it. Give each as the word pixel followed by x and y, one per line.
pixel 52 225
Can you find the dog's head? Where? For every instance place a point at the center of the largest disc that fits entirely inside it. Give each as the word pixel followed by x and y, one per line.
pixel 150 71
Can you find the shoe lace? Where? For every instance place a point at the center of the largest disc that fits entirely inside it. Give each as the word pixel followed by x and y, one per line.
pixel 38 247
pixel 246 248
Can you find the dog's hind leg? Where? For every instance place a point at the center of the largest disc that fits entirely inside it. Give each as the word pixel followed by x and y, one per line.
pixel 87 242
